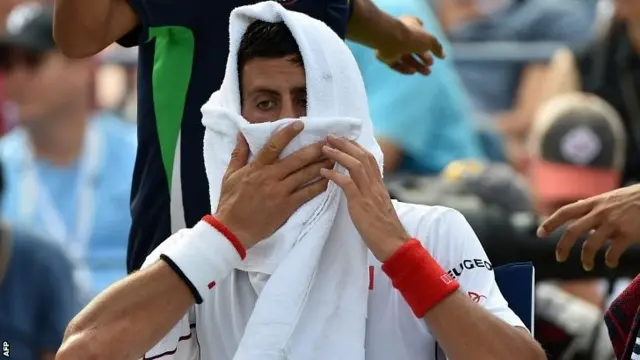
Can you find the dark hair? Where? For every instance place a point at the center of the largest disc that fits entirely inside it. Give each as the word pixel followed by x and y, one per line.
pixel 268 40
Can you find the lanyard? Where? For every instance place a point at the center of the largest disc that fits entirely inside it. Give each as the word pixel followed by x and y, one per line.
pixel 35 195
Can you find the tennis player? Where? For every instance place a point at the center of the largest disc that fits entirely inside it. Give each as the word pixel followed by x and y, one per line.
pixel 432 293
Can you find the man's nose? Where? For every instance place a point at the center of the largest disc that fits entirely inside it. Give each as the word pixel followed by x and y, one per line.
pixel 288 109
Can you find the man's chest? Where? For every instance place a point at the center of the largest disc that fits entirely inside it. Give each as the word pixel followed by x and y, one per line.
pixel 392 332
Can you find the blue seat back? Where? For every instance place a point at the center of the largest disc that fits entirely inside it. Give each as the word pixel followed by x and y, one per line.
pixel 516 282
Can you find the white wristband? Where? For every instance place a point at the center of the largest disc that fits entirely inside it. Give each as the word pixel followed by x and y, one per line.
pixel 203 257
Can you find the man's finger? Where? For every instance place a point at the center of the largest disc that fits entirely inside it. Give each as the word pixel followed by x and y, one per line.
pixel 270 153
pixel 370 159
pixel 594 243
pixel 306 175
pixel 303 195
pixel 299 159
pixel 563 215
pixel 571 234
pixel 347 184
pixel 239 155
pixel 426 58
pixel 617 248
pixel 432 43
pixel 357 170
pixel 401 67
pixel 411 60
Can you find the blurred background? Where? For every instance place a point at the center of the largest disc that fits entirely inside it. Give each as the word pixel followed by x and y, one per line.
pixel 535 106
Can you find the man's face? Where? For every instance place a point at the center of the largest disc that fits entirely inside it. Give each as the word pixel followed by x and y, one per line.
pixel 628 10
pixel 43 85
pixel 273 89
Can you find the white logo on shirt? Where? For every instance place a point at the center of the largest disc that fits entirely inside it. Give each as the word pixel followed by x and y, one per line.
pixel 580 145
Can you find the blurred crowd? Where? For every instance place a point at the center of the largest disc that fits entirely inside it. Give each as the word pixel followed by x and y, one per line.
pixel 535 106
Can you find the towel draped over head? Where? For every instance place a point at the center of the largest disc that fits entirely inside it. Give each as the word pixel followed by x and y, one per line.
pixel 311 274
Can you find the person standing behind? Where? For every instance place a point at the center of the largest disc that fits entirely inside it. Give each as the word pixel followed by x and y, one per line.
pixel 68 171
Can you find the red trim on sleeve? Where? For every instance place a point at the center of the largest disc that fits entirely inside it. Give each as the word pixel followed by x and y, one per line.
pixel 371 277
pixel 215 223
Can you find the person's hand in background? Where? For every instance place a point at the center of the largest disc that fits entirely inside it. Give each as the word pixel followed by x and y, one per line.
pixel 412 52
pixel 613 216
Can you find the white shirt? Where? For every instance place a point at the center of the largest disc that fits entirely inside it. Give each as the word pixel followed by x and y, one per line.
pixel 213 329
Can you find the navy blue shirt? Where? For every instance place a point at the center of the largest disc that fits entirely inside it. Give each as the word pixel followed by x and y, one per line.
pixel 38 297
pixel 183 49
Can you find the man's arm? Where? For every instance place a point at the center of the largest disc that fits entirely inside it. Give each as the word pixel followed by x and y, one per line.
pixel 463 328
pixel 134 314
pixel 466 331
pixel 373 27
pixel 129 317
pixel 84 28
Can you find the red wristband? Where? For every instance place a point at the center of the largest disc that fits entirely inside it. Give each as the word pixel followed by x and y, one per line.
pixel 419 278
pixel 215 223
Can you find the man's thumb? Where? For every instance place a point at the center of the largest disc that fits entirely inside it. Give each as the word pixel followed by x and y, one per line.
pixel 240 155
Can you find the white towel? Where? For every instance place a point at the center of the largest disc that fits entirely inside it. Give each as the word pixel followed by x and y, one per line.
pixel 311 274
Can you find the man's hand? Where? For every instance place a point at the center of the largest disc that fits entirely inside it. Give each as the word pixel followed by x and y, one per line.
pixel 257 198
pixel 370 206
pixel 410 53
pixel 613 216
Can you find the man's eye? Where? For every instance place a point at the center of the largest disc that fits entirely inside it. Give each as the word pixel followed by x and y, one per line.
pixel 265 105
pixel 302 102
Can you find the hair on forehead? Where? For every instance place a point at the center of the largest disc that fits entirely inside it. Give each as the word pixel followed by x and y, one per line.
pixel 268 40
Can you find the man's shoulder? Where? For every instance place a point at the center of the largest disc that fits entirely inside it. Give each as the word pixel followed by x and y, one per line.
pixel 420 220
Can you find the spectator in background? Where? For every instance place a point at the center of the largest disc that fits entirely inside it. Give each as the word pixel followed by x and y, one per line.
pixel 495 85
pixel 68 171
pixel 505 91
pixel 422 124
pixel 38 296
pixel 577 148
pixel 608 68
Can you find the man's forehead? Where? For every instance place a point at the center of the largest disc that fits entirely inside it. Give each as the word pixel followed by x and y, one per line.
pixel 274 73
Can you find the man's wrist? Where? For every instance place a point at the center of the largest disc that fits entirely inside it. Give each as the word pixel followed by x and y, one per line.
pixel 422 282
pixel 373 27
pixel 388 247
pixel 227 227
pixel 203 257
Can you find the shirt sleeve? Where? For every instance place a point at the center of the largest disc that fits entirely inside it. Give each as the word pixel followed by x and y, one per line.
pixel 181 342
pixel 60 300
pixel 160 14
pixel 454 245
